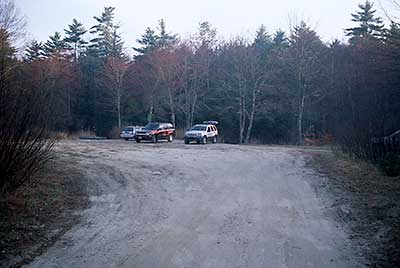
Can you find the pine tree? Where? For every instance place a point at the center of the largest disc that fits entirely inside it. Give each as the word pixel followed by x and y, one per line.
pixel 34 51
pixel 148 41
pixel 55 46
pixel 262 41
pixel 280 39
pixel 116 44
pixel 369 26
pixel 165 39
pixel 74 38
pixel 207 34
pixel 108 42
pixel 393 35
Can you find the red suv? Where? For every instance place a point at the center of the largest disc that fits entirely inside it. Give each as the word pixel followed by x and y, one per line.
pixel 155 132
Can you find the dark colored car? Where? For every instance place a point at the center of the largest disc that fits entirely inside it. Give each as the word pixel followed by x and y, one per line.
pixel 155 132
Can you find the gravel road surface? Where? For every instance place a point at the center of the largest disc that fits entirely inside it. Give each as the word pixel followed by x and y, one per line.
pixel 174 205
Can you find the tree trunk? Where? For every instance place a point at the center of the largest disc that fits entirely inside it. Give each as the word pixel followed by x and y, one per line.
pixel 75 52
pixel 172 107
pixel 187 111
pixel 173 118
pixel 251 119
pixel 242 119
pixel 300 121
pixel 151 110
pixel 119 112
pixel 193 109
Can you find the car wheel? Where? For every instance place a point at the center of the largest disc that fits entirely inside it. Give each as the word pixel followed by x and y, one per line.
pixel 186 141
pixel 215 139
pixel 170 138
pixel 126 139
pixel 137 140
pixel 204 140
pixel 154 139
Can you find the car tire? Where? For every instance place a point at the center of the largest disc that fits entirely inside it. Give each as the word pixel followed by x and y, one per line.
pixel 137 140
pixel 215 139
pixel 186 141
pixel 126 139
pixel 154 139
pixel 170 138
pixel 204 141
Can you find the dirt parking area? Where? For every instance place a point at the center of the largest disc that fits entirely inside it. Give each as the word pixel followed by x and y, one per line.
pixel 216 205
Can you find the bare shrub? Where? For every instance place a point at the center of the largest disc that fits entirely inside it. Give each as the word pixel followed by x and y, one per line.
pixel 25 144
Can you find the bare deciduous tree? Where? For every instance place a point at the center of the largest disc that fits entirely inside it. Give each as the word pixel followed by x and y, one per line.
pixel 112 79
pixel 244 80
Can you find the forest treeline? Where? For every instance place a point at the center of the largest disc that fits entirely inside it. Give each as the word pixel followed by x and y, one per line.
pixel 279 87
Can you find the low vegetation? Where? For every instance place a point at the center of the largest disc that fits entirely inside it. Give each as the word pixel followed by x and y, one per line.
pixel 39 212
pixel 365 201
pixel 25 144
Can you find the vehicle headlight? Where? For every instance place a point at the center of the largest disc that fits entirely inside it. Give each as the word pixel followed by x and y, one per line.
pixel 198 134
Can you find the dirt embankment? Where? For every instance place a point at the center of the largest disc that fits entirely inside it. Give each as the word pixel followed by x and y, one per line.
pixel 34 217
pixel 366 201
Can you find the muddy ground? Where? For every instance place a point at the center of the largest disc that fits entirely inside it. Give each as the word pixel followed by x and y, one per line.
pixel 176 205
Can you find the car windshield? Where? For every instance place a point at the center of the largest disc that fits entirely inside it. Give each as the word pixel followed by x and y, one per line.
pixel 151 126
pixel 128 129
pixel 199 128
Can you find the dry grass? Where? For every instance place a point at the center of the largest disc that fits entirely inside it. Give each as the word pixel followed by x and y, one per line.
pixel 38 213
pixel 366 201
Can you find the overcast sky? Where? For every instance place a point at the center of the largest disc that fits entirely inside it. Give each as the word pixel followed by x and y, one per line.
pixel 230 17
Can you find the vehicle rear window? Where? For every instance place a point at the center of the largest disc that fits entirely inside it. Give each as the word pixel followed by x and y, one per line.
pixel 152 126
pixel 199 128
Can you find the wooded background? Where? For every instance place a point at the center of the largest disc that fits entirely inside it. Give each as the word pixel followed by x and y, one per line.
pixel 280 87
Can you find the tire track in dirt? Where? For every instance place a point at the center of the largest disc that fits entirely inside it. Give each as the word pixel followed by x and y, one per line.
pixel 173 205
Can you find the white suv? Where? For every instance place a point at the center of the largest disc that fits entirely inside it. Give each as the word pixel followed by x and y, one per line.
pixel 202 133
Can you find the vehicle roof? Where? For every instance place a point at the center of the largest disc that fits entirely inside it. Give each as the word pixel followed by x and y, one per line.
pixel 161 124
pixel 204 125
pixel 211 122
